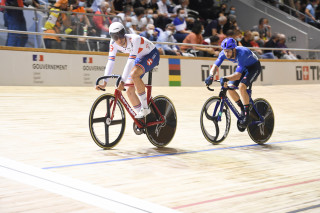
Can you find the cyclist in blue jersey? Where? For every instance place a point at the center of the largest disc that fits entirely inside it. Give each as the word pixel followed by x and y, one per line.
pixel 247 71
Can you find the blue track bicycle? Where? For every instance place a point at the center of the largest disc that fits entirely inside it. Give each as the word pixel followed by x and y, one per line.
pixel 215 119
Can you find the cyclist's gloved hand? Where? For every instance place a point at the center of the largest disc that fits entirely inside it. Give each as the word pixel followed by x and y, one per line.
pixel 209 80
pixel 223 80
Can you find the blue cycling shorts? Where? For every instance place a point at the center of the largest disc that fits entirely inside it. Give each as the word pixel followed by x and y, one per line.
pixel 148 62
pixel 249 75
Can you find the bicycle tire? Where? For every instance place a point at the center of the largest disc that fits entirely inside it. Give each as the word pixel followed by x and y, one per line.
pixel 106 133
pixel 261 133
pixel 210 126
pixel 161 135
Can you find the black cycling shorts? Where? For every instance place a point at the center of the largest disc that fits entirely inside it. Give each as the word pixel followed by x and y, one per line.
pixel 249 75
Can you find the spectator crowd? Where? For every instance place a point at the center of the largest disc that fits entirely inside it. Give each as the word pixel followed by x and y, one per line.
pixel 173 21
pixel 305 10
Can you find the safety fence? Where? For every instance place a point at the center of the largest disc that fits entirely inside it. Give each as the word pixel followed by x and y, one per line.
pixel 94 42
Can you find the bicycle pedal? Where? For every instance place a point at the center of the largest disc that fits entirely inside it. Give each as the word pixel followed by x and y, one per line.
pixel 137 130
pixel 241 128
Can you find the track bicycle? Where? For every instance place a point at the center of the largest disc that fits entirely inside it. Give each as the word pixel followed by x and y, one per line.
pixel 215 119
pixel 107 119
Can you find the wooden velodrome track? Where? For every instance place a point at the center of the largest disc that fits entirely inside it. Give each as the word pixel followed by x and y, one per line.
pixel 49 163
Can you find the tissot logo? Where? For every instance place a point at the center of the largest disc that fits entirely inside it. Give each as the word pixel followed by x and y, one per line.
pixel 37 58
pixel 307 73
pixel 87 60
pixel 205 72
pixel 226 70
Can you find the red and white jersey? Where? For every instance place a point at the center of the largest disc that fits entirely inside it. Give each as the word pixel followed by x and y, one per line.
pixel 137 47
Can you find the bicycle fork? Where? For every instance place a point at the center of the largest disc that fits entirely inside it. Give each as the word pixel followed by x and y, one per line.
pixel 222 96
pixel 222 101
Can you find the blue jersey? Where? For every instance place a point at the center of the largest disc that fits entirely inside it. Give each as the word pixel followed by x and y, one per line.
pixel 244 58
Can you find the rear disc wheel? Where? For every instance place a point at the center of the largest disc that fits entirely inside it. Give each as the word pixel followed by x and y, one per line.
pixel 160 135
pixel 260 133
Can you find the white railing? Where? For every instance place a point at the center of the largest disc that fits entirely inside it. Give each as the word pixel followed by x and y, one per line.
pixel 316 51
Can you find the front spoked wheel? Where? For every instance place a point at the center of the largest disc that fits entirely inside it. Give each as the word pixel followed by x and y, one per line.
pixel 260 132
pixel 160 135
pixel 213 130
pixel 107 131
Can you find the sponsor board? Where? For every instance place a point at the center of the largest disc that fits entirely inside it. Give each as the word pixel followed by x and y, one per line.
pixel 56 69
pixel 42 69
pixel 308 73
pixel 89 65
pixel 223 71
pixel 193 73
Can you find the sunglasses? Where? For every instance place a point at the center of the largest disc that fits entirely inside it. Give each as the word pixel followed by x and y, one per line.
pixel 116 36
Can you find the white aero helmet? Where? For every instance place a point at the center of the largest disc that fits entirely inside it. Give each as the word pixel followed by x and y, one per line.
pixel 116 30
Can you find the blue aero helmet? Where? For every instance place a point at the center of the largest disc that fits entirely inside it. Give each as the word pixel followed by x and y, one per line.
pixel 228 43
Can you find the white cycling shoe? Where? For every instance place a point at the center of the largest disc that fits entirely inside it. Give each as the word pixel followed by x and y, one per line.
pixel 143 113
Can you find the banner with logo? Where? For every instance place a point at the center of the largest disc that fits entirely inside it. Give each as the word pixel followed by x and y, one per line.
pixel 194 72
pixel 56 69
pixel 23 68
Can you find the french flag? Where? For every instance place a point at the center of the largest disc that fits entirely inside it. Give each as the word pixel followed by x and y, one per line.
pixel 37 57
pixel 87 60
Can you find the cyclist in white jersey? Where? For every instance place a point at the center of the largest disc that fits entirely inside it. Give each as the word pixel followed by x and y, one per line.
pixel 143 57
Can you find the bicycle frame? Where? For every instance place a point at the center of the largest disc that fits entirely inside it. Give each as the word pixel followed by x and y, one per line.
pixel 118 96
pixel 224 99
pixel 140 123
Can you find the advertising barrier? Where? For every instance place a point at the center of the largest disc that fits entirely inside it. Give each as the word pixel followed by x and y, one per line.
pixel 27 68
